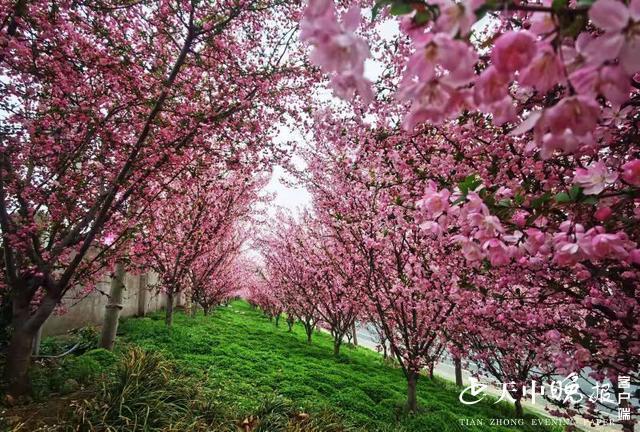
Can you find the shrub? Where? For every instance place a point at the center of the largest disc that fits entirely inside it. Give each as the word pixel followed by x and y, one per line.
pixel 82 369
pixel 279 414
pixel 103 357
pixel 63 375
pixel 145 393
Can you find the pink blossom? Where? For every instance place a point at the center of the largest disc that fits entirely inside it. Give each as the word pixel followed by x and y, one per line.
pixel 471 250
pixel 544 72
pixel 434 74
pixel 598 244
pixel 579 114
pixel 337 49
pixel 582 356
pixel 319 21
pixel 347 84
pixel 433 202
pixel 341 52
pixel 622 38
pixel 609 81
pixel 580 53
pixel 535 241
pixel 456 58
pixel 608 246
pixel 432 227
pixel 488 225
pixel 594 178
pixel 631 172
pixel 543 23
pixel 603 213
pixel 513 51
pixel 497 252
pixel 492 86
pixel 520 218
pixel 553 335
pixel 566 253
pixel 430 102
pixel 455 17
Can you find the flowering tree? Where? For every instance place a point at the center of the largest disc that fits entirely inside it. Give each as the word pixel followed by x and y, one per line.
pixel 360 197
pixel 100 100
pixel 327 269
pixel 189 223
pixel 220 274
pixel 288 275
pixel 526 118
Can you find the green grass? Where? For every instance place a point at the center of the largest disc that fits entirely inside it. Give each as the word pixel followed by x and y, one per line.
pixel 243 360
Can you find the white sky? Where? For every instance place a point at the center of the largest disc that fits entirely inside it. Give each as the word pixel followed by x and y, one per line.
pixel 291 199
pixel 294 199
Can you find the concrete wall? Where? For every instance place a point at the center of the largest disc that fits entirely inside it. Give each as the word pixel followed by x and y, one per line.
pixel 138 300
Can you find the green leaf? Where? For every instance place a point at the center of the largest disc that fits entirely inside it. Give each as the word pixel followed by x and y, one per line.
pixel 375 11
pixel 575 193
pixel 400 8
pixel 422 17
pixel 519 199
pixel 558 5
pixel 563 197
pixel 541 200
pixel 469 184
pixel 505 202
pixel 590 200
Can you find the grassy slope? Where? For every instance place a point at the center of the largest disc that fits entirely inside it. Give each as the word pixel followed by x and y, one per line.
pixel 246 358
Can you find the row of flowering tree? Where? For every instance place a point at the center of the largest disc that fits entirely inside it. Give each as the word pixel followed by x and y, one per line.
pixel 487 186
pixel 195 228
pixel 104 106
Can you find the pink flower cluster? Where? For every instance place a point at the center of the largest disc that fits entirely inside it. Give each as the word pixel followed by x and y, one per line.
pixel 482 235
pixel 337 50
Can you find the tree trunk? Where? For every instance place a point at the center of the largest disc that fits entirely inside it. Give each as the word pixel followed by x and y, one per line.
pixel 518 406
pixel 354 334
pixel 308 328
pixel 337 342
pixel 36 342
pixel 290 323
pixel 458 365
pixel 113 308
pixel 168 319
pixel 277 320
pixel 412 394
pixel 25 328
pixel 206 310
pixel 18 362
pixel 142 294
pixel 431 367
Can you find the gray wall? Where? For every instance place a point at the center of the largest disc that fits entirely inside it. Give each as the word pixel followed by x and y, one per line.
pixel 138 300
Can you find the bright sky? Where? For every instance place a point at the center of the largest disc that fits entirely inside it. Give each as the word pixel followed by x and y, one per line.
pixel 294 199
pixel 291 199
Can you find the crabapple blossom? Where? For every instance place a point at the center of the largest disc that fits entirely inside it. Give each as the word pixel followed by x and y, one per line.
pixel 594 178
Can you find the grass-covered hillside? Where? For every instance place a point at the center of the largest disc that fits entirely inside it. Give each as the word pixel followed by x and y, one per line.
pixel 244 360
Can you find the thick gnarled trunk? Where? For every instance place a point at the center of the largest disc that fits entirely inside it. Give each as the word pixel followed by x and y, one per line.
pixel 18 361
pixel 25 327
